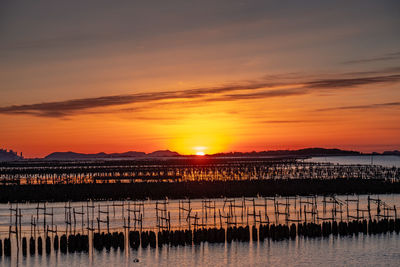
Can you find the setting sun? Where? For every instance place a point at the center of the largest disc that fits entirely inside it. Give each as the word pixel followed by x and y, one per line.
pixel 200 150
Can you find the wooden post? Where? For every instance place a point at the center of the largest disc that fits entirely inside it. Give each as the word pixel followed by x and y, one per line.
pixel 20 223
pixel 16 226
pixel 301 214
pixel 220 218
pixel 179 211
pixel 74 220
pixel 37 214
pixel 169 221
pixel 243 208
pixel 44 217
pixel 358 210
pixel 141 222
pixel 215 214
pixel 254 210
pixel 123 209
pixel 129 216
pixel 157 220
pixel 202 212
pixel 108 219
pixel 70 218
pixel 265 208
pixel 98 219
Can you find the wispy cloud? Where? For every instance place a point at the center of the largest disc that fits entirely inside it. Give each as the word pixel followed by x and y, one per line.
pixel 262 94
pixel 257 89
pixel 70 107
pixel 367 106
pixel 385 57
pixel 337 83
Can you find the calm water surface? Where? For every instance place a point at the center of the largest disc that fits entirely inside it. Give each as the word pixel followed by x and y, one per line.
pixel 387 161
pixel 363 250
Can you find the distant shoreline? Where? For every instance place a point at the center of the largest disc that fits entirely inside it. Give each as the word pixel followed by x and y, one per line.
pixel 160 154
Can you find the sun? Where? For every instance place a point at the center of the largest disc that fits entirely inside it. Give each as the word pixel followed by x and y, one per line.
pixel 200 150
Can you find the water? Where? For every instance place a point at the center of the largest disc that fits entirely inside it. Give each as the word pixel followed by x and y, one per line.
pixel 363 250
pixel 367 250
pixel 240 210
pixel 386 161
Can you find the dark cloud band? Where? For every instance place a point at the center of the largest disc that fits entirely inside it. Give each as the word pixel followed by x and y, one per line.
pixel 369 106
pixel 229 92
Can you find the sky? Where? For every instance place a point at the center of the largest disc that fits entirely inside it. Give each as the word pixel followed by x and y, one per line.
pixel 199 76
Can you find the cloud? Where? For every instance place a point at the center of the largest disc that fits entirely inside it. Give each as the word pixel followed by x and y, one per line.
pixel 69 107
pixel 387 71
pixel 228 92
pixel 385 57
pixel 262 94
pixel 335 83
pixel 368 106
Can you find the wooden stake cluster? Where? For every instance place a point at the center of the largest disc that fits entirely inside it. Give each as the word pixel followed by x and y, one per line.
pixel 90 210
pixel 53 228
pixel 15 228
pixel 184 209
pixel 309 207
pixel 229 213
pixel 163 216
pixel 106 221
pixel 68 218
pixel 209 208
pixel 138 214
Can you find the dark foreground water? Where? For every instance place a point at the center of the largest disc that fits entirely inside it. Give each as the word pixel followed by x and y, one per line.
pixel 363 250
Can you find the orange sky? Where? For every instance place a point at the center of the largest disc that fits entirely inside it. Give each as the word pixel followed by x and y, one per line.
pixel 206 78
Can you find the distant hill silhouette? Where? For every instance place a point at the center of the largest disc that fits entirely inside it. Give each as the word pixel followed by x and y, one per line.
pixel 130 154
pixel 394 152
pixel 307 152
pixel 163 153
pixel 8 155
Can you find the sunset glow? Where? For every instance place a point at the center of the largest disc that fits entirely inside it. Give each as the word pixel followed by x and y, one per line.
pixel 223 78
pixel 199 133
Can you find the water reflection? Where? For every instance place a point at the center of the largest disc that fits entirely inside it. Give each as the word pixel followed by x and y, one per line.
pixel 361 250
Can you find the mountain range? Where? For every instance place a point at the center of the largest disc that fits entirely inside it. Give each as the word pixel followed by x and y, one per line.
pixel 306 152
pixel 130 154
